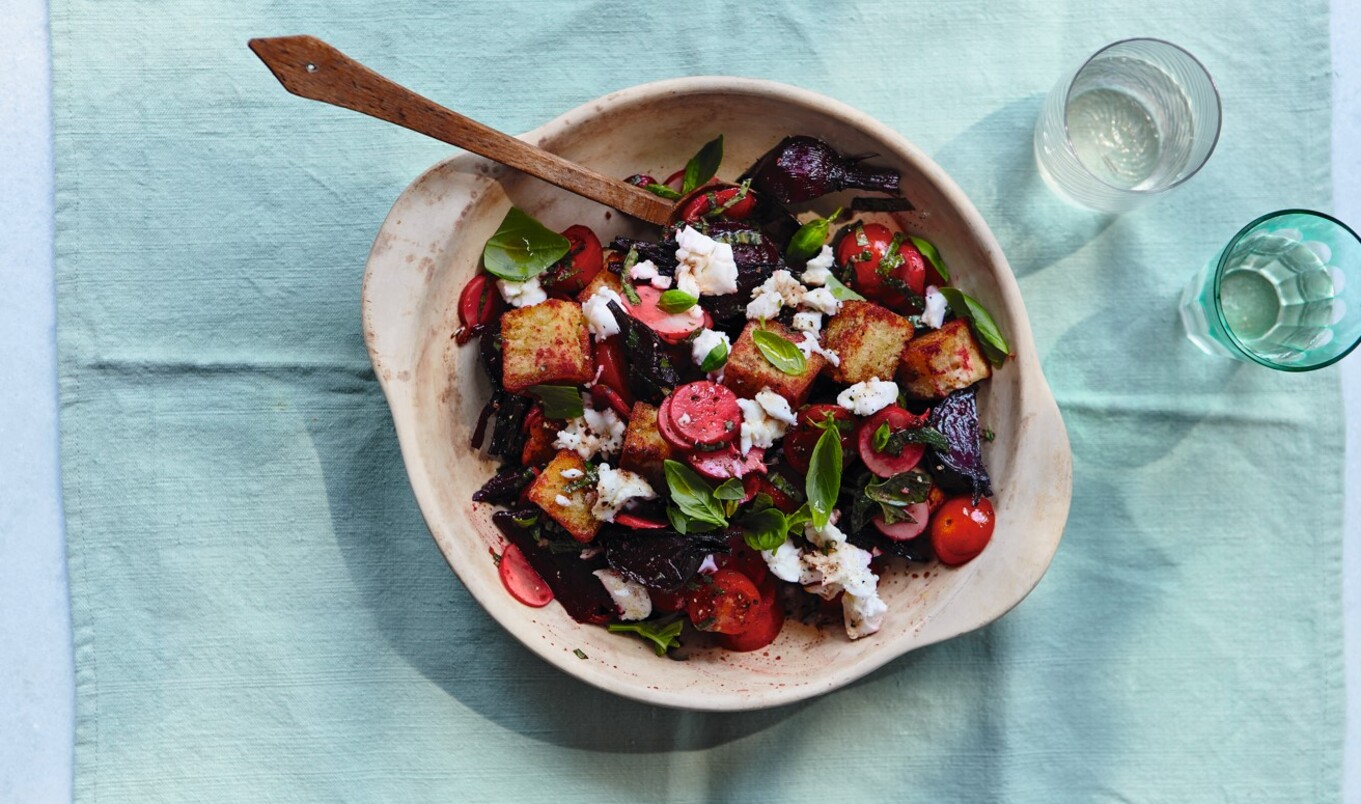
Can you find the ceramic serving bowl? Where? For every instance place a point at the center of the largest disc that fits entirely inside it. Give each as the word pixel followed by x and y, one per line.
pixel 430 246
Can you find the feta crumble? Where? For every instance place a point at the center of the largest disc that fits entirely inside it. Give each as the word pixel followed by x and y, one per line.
pixel 764 420
pixel 868 397
pixel 831 566
pixel 571 474
pixel 647 271
pixel 780 290
pixel 818 269
pixel 629 597
pixel 934 315
pixel 783 562
pixel 705 342
pixel 594 432
pixel 614 488
pixel 810 345
pixel 706 266
pixel 563 501
pixel 522 294
pixel 808 321
pixel 822 300
pixel 599 319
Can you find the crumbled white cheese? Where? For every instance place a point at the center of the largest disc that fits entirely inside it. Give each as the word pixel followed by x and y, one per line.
pixel 614 488
pixel 521 294
pixel 818 269
pixel 780 290
pixel 590 553
pixel 706 266
pixel 705 342
pixel 599 319
pixel 629 597
pixel 684 419
pixel 863 615
pixel 868 397
pixel 708 566
pixel 594 432
pixel 822 300
pixel 571 474
pixel 810 345
pixel 764 420
pixel 830 567
pixel 647 271
pixel 936 306
pixel 783 562
pixel 563 501
pixel 809 321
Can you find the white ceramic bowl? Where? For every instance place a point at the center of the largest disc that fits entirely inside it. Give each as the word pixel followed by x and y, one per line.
pixel 429 247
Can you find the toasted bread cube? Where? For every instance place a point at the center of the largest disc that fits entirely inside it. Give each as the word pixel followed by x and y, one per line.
pixel 545 343
pixel 539 436
pixel 869 340
pixel 748 371
pixel 942 361
pixel 550 489
pixel 644 448
pixel 605 279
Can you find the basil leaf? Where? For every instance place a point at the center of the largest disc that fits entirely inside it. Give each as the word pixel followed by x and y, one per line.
pixel 522 248
pixel 676 301
pixel 779 352
pixel 716 358
pixel 692 495
pixel 766 529
pixel 801 516
pixel 703 165
pixel 840 292
pixel 989 335
pixel 930 436
pixel 663 191
pixel 901 490
pixel 824 477
pixel 730 489
pixel 626 278
pixel 663 637
pixel 559 401
pixel 881 437
pixel 808 240
pixel 932 256
pixel 678 520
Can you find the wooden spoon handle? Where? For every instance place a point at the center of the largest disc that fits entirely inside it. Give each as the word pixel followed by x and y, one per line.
pixel 310 68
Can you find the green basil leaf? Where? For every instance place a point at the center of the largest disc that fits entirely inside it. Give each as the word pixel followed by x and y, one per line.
pixel 663 191
pixel 716 358
pixel 932 256
pixel 823 483
pixel 692 495
pixel 679 522
pixel 703 165
pixel 900 490
pixel 801 516
pixel 930 436
pixel 559 401
pixel 765 529
pixel 626 278
pixel 663 637
pixel 881 437
pixel 779 352
pixel 676 301
pixel 522 248
pixel 808 240
pixel 730 489
pixel 990 337
pixel 840 292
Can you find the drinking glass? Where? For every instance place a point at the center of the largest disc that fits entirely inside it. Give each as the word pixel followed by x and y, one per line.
pixel 1136 119
pixel 1285 292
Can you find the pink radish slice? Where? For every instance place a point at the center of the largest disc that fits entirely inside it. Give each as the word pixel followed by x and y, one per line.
pixel 671 327
pixel 902 531
pixel 638 522
pixel 520 579
pixel 883 464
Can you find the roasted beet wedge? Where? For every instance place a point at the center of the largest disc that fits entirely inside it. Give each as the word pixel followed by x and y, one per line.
pixel 917 549
pixel 658 559
pixel 571 577
pixel 800 169
pixel 960 468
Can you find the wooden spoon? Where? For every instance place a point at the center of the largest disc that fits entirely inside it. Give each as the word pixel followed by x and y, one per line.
pixel 310 68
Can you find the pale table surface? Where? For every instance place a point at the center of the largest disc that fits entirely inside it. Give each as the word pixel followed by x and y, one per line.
pixel 36 686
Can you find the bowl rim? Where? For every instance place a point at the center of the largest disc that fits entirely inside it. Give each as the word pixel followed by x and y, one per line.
pixel 1035 393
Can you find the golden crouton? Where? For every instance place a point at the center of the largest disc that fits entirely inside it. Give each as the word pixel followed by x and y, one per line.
pixel 539 437
pixel 545 343
pixel 549 491
pixel 942 361
pixel 748 371
pixel 644 448
pixel 605 279
pixel 868 339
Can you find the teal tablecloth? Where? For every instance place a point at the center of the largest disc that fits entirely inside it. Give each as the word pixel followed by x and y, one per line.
pixel 261 616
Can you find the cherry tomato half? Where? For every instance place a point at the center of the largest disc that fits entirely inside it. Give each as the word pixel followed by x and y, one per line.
pixel 764 627
pixel 718 197
pixel 609 354
pixel 584 259
pixel 960 530
pixel 863 248
pixel 479 303
pixel 725 602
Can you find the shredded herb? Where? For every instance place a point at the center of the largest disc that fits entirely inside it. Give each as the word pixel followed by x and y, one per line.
pixel 663 191
pixel 626 278
pixel 580 654
pixel 894 443
pixel 588 479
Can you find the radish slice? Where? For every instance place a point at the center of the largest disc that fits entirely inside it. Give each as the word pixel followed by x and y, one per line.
pixel 704 414
pixel 638 522
pixel 671 327
pixel 520 579
pixel 726 463
pixel 902 531
pixel 883 464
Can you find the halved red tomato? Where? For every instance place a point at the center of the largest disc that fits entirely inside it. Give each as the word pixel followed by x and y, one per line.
pixel 479 303
pixel 717 198
pixel 725 602
pixel 863 248
pixel 572 273
pixel 764 627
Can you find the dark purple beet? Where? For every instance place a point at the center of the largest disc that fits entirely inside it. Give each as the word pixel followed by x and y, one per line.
pixel 566 572
pixel 740 234
pixel 662 255
pixel 505 486
pixel 662 559
pixel 918 549
pixel 802 168
pixel 508 434
pixel 960 468
pixel 652 372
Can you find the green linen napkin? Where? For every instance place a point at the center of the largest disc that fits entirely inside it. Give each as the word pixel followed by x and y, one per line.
pixel 260 614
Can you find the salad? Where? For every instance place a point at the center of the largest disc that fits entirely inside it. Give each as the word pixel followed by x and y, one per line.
pixel 753 416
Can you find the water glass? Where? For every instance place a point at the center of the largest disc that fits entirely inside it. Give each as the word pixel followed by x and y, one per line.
pixel 1285 292
pixel 1136 119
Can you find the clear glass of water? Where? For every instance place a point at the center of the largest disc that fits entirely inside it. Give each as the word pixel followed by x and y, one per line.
pixel 1136 119
pixel 1285 292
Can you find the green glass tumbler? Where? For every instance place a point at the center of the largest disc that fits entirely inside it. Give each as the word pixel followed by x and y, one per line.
pixel 1285 292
